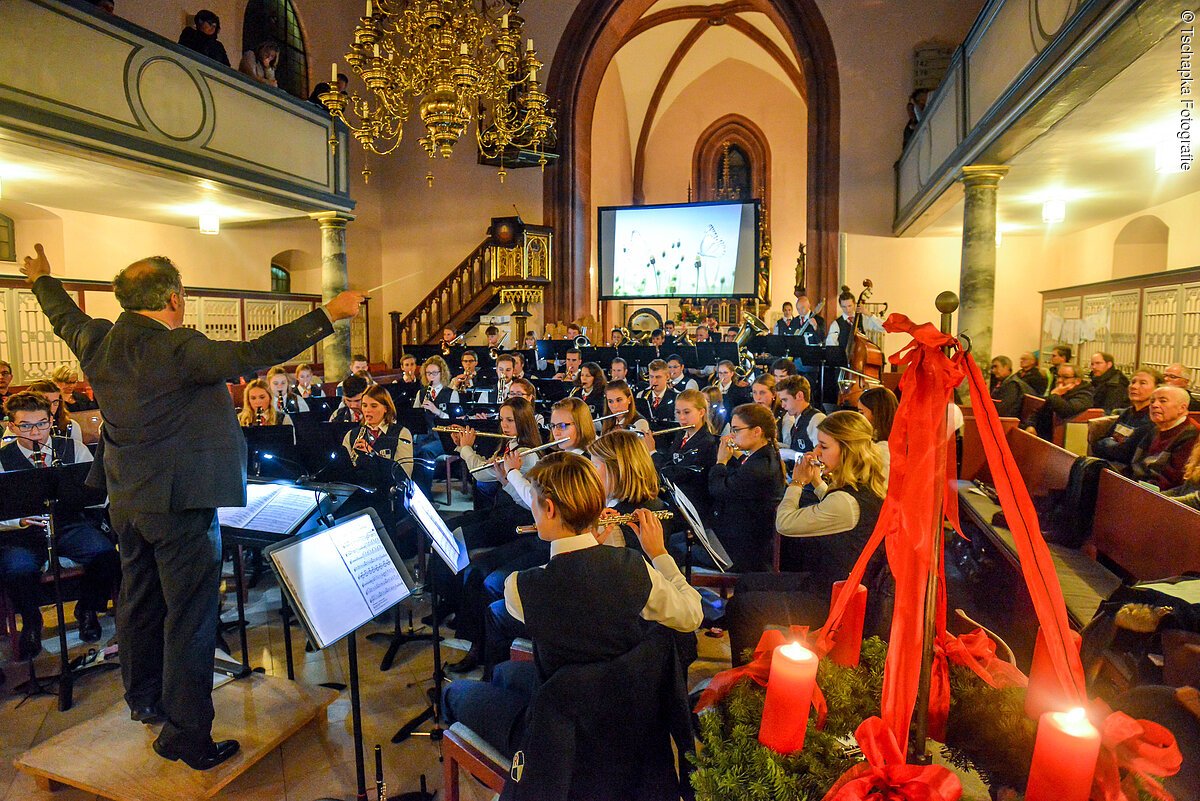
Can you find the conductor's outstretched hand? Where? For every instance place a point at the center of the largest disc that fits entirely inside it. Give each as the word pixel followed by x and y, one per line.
pixel 36 266
pixel 344 306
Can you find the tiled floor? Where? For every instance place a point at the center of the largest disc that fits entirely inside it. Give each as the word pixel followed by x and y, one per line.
pixel 316 763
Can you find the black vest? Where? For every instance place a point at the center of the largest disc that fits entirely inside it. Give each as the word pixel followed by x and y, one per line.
pixel 12 460
pixel 376 470
pixel 584 606
pixel 440 400
pixel 831 558
pixel 291 403
pixel 845 332
pixel 799 437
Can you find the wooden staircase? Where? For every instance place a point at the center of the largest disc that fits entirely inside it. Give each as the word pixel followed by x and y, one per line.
pixel 487 277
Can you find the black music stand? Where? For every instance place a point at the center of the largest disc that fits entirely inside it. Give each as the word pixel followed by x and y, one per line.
pixel 56 492
pixel 272 439
pixel 294 560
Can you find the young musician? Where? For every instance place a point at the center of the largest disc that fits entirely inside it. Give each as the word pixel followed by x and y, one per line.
pixel 287 400
pixel 800 424
pixel 520 388
pixel 350 410
pixel 63 426
pixel 702 334
pixel 358 366
pixel 23 541
pixel 448 338
pixel 612 591
pixel 6 377
pixel 841 330
pixel 437 400
pixel 657 404
pixel 405 388
pixel 783 367
pixel 305 387
pixel 66 378
pixel 493 338
pixel 747 489
pixel 258 407
pixel 718 420
pixel 570 371
pixel 692 453
pixel 786 324
pixel 763 393
pixel 734 392
pixel 539 364
pixel 618 370
pixel 676 378
pixel 879 406
pixel 590 388
pixel 467 381
pixel 619 398
pixel 630 481
pixel 504 376
pixel 616 338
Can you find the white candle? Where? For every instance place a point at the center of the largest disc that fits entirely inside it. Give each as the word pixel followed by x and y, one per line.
pixel 333 76
pixel 528 45
pixel 463 49
pixel 504 22
pixel 376 51
pixel 370 11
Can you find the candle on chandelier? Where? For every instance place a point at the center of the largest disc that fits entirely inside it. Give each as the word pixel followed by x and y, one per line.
pixel 333 77
pixel 504 22
pixel 848 645
pixel 376 50
pixel 370 10
pixel 1045 693
pixel 1064 757
pixel 528 45
pixel 463 49
pixel 790 688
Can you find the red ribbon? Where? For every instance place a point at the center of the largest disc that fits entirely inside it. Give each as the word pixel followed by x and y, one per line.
pixel 1142 750
pixel 758 669
pixel 885 777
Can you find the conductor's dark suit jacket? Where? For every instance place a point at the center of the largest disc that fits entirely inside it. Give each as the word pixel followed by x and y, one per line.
pixel 170 439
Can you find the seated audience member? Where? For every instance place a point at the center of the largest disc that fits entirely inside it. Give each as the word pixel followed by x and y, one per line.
pixel 1069 397
pixel 1176 375
pixel 589 388
pixel 63 425
pixel 436 400
pixel 619 399
pixel 1132 423
pixel 1059 355
pixel 305 387
pixel 1161 455
pixel 6 377
pixel 66 378
pixel 630 481
pixel 350 410
pixel 786 324
pixel 260 63
pixel 287 400
pixel 23 543
pixel 685 462
pixel 676 377
pixel 782 368
pixel 612 593
pixel 1032 375
pixel 879 405
pixel 800 424
pixel 746 485
pixel 1110 387
pixel 258 407
pixel 1188 493
pixel 202 36
pixel 657 403
pixel 1008 389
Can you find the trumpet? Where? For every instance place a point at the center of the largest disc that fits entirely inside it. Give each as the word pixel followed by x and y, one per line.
pixel 619 520
pixel 523 452
pixel 460 430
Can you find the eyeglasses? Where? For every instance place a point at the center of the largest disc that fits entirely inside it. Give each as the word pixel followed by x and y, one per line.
pixel 27 427
pixel 739 429
pixel 5 372
pixel 1168 376
pixel 561 426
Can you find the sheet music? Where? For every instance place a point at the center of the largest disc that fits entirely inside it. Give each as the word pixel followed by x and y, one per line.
pixel 284 510
pixel 322 587
pixel 369 563
pixel 257 496
pixel 450 549
pixel 710 542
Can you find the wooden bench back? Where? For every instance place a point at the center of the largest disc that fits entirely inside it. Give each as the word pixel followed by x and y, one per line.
pixel 1044 465
pixel 973 464
pixel 1144 533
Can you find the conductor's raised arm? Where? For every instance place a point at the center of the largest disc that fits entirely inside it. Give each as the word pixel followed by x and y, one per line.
pixel 70 323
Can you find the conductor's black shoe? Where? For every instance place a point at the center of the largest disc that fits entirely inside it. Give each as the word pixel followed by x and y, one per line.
pixel 467 663
pixel 30 644
pixel 149 714
pixel 89 626
pixel 210 757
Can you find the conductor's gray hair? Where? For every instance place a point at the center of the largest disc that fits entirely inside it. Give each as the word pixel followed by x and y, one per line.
pixel 147 284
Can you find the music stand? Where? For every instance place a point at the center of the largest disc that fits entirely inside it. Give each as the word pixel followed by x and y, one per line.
pixel 55 492
pixel 272 439
pixel 338 579
pixel 696 531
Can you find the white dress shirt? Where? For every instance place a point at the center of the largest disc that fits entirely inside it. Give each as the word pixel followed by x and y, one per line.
pixel 870 323
pixel 519 487
pixel 82 456
pixel 835 513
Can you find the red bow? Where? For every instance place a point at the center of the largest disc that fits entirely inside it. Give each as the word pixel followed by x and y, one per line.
pixel 976 651
pixel 885 777
pixel 1143 750
pixel 759 669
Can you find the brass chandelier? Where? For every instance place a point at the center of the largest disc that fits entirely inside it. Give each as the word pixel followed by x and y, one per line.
pixel 458 62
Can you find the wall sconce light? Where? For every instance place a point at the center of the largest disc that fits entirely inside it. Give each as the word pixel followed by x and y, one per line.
pixel 210 224
pixel 1054 211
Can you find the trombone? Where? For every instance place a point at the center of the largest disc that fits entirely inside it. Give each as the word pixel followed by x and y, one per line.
pixel 522 452
pixel 618 520
pixel 460 430
pixel 494 352
pixel 446 346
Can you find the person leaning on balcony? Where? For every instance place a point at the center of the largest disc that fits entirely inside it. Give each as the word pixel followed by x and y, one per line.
pixel 202 37
pixel 260 62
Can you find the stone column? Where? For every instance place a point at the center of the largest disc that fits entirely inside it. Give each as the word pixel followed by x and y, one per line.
pixel 334 279
pixel 977 280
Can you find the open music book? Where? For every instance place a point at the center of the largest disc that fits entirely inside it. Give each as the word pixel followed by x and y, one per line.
pixel 271 508
pixel 340 578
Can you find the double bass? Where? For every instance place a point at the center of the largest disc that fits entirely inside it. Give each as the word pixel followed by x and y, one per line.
pixel 864 358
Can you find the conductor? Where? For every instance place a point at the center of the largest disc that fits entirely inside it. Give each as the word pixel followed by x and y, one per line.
pixel 171 453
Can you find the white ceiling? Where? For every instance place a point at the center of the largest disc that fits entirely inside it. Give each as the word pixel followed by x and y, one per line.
pixel 1100 158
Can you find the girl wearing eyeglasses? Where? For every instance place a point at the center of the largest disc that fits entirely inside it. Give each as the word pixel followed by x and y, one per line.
pixel 746 485
pixel 63 425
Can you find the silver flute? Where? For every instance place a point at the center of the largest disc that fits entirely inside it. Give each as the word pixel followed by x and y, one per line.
pixel 665 514
pixel 523 452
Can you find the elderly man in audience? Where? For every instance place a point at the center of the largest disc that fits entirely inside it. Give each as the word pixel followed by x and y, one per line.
pixel 1188 493
pixel 1032 375
pixel 1110 387
pixel 1176 375
pixel 1133 423
pixel 1069 397
pixel 1008 390
pixel 1160 458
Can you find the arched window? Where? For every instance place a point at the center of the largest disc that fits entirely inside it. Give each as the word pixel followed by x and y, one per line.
pixel 731 161
pixel 734 174
pixel 8 241
pixel 281 279
pixel 276 20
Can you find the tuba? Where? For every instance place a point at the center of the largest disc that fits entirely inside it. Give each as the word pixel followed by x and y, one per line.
pixel 752 326
pixel 583 341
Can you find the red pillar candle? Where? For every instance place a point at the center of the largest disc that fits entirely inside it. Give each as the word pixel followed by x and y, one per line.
pixel 848 642
pixel 1045 693
pixel 789 696
pixel 1064 757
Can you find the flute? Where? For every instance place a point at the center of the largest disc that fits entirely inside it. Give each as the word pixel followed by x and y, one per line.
pixel 457 430
pixel 665 514
pixel 523 452
pixel 663 431
pixel 609 417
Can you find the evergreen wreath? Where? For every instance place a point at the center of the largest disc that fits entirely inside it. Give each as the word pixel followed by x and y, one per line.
pixel 987 731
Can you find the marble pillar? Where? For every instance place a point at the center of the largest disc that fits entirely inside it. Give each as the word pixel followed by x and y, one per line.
pixel 977 278
pixel 334 279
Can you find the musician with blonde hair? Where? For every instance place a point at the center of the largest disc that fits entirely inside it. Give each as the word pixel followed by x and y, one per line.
pixel 257 408
pixel 630 481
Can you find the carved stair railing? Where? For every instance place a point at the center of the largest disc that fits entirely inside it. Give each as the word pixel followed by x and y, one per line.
pixel 488 276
